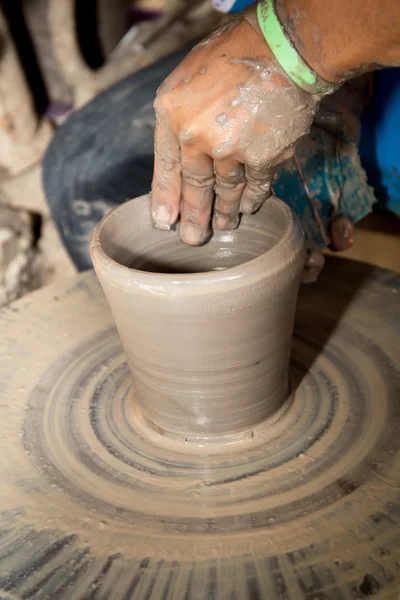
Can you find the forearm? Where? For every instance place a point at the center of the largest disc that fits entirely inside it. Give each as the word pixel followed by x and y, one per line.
pixel 342 38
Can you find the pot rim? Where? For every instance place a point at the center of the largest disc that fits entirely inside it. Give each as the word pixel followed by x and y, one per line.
pixel 293 237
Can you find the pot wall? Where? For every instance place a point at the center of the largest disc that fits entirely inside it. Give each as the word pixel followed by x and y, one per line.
pixel 208 351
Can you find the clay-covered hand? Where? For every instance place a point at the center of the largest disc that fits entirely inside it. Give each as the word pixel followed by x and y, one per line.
pixel 225 118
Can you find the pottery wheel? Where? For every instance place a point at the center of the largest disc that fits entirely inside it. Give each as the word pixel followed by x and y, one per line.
pixel 95 505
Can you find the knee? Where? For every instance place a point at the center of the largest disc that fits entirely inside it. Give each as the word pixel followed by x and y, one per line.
pixel 74 191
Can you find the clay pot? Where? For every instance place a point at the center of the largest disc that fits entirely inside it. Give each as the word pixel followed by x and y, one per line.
pixel 206 330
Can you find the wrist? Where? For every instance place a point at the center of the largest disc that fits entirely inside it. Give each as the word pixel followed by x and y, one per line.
pixel 286 54
pixel 250 15
pixel 343 38
pixel 313 30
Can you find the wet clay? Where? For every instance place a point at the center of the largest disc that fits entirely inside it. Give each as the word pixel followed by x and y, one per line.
pixel 96 504
pixel 219 137
pixel 206 330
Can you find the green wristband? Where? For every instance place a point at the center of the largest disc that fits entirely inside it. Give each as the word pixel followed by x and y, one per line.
pixel 286 54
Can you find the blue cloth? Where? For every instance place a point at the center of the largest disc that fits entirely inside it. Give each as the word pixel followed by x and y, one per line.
pixel 345 179
pixel 380 131
pixel 380 135
pixel 332 170
pixel 231 6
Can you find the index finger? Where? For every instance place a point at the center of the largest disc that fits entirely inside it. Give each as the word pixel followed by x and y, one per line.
pixel 166 185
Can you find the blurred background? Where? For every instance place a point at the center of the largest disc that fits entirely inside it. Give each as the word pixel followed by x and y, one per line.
pixel 55 56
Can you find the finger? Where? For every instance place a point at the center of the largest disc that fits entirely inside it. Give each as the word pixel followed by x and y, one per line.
pixel 342 233
pixel 313 266
pixel 258 188
pixel 166 185
pixel 229 185
pixel 197 196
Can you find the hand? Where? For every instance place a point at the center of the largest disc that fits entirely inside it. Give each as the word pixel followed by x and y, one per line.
pixel 225 117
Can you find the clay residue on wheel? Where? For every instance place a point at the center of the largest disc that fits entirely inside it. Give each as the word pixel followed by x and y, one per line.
pixel 311 503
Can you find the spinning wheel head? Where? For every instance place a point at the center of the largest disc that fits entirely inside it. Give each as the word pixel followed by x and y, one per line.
pixel 97 504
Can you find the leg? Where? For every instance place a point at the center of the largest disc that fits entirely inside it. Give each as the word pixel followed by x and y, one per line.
pixel 102 156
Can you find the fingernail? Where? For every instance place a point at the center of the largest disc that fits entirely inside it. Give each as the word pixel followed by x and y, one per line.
pixel 313 266
pixel 193 235
pixel 162 217
pixel 225 223
pixel 342 233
